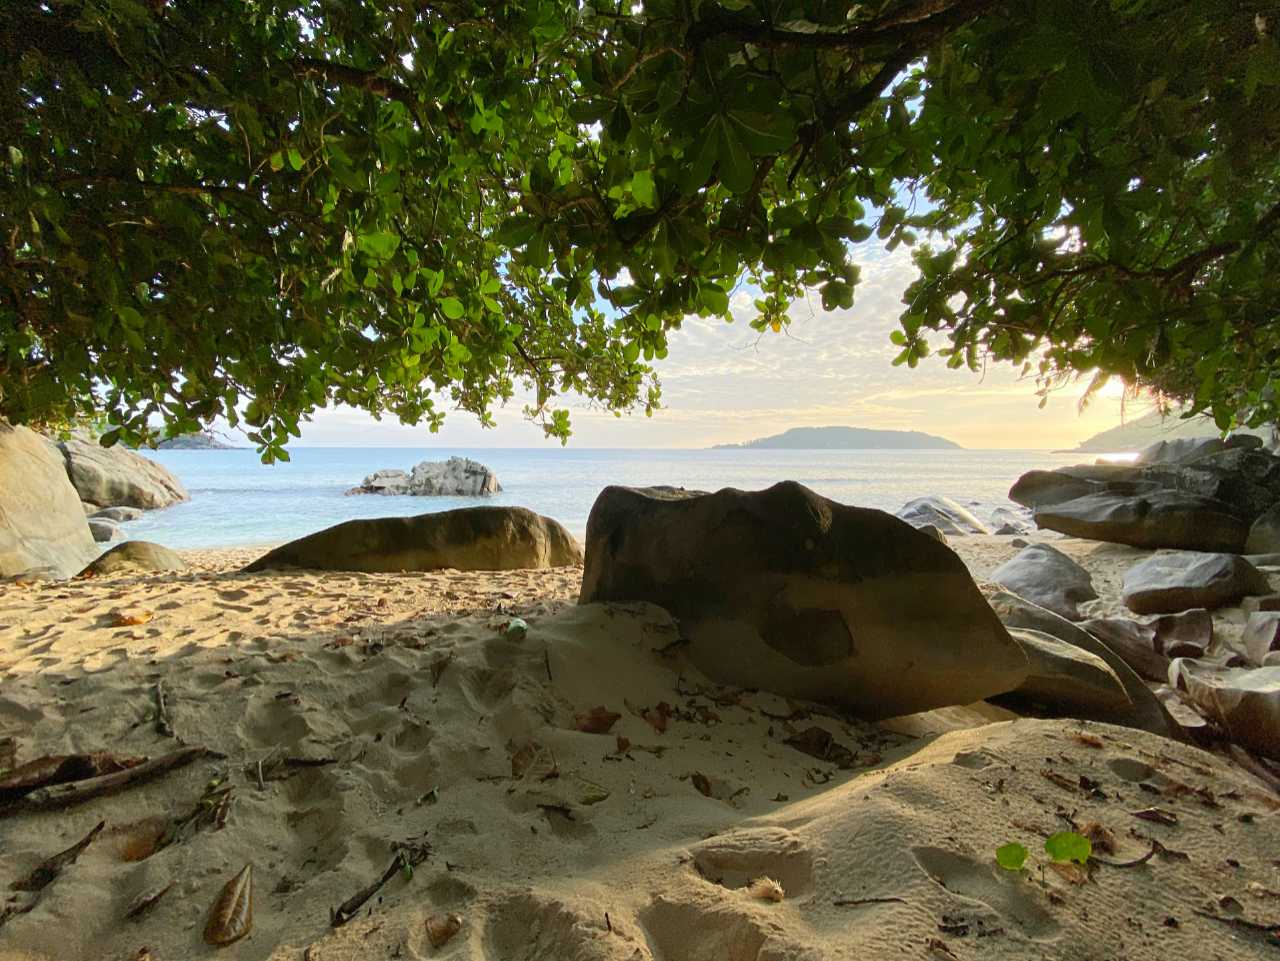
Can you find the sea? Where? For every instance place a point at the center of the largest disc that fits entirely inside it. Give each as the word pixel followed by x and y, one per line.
pixel 238 501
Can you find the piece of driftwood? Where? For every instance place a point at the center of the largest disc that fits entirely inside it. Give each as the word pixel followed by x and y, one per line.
pixel 405 860
pixel 44 873
pixel 74 792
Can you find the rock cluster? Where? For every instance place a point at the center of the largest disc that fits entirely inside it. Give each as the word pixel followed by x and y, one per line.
pixel 455 477
pixel 1200 495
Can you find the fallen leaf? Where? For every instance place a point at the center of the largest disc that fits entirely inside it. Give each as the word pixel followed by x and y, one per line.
pixel 818 742
pixel 231 917
pixel 44 873
pixel 598 720
pixel 442 928
pixel 658 716
pixel 130 618
pixel 145 902
pixel 1100 837
pixel 702 783
pixel 622 745
pixel 1069 871
pixel 1089 740
pixel 1157 815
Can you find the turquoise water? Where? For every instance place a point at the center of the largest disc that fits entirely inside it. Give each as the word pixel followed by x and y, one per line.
pixel 236 500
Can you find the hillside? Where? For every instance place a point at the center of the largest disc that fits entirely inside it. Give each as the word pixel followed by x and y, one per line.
pixel 1149 429
pixel 204 440
pixel 844 438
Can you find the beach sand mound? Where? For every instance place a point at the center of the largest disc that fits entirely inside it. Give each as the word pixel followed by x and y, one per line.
pixel 578 793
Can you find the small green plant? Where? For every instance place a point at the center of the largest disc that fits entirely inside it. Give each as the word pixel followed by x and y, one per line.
pixel 1063 847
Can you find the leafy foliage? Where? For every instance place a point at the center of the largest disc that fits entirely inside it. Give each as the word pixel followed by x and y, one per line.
pixel 1068 846
pixel 1011 856
pixel 251 208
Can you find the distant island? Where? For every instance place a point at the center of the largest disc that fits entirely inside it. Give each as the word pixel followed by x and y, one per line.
pixel 201 440
pixel 845 438
pixel 1149 429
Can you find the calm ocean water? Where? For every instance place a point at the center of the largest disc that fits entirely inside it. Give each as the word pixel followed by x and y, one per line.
pixel 236 500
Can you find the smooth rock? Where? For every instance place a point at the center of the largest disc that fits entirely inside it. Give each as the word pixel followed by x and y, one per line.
pixel 1191 721
pixel 1041 488
pixel 786 591
pixel 943 513
pixel 1261 635
pixel 1263 560
pixel 117 477
pixel 1046 576
pixel 1145 713
pixel 1173 581
pixel 1132 641
pixel 1019 543
pixel 468 539
pixel 1158 519
pixel 1244 702
pixel 1067 681
pixel 133 556
pixel 933 532
pixel 455 477
pixel 103 530
pixel 117 514
pixel 1264 534
pixel 1272 659
pixel 1183 450
pixel 41 522
pixel 1006 522
pixel 1186 634
pixel 1262 602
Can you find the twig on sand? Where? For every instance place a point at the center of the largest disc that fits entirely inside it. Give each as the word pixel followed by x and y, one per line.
pixel 74 792
pixel 163 725
pixel 546 659
pixel 848 902
pixel 405 859
pixel 1262 927
pixel 1156 847
pixel 45 873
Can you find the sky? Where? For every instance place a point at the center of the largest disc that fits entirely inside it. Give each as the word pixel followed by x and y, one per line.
pixel 724 383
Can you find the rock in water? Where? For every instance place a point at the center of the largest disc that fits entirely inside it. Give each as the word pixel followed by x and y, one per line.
pixel 1048 577
pixel 117 515
pixel 455 477
pixel 1157 519
pixel 1173 581
pixel 103 530
pixel 944 514
pixel 790 592
pixel 468 539
pixel 116 477
pixel 1245 702
pixel 133 556
pixel 41 521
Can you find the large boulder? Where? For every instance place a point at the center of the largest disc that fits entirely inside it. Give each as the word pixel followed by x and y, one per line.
pixel 1261 635
pixel 1048 577
pixel 1264 534
pixel 455 477
pixel 1145 711
pixel 103 531
pixel 132 557
pixel 787 591
pixel 1244 702
pixel 1157 519
pixel 1173 581
pixel 943 513
pixel 1066 680
pixel 1041 488
pixel 42 524
pixel 1134 642
pixel 116 477
pixel 1186 449
pixel 469 539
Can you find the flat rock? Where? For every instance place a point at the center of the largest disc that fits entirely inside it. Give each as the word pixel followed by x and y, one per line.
pixel 1264 534
pixel 103 531
pixel 117 515
pixel 134 556
pixel 1263 602
pixel 455 477
pixel 1173 581
pixel 947 515
pixel 117 477
pixel 42 524
pixel 1067 681
pixel 1145 712
pixel 1186 634
pixel 468 539
pixel 1157 519
pixel 1048 577
pixel 786 591
pixel 1134 642
pixel 1186 449
pixel 1261 635
pixel 1041 488
pixel 1244 702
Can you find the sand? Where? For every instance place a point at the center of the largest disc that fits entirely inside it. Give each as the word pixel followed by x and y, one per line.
pixel 353 716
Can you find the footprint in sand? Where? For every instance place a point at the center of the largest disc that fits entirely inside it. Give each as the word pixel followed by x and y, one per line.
pixel 1002 891
pixel 533 927
pixel 737 858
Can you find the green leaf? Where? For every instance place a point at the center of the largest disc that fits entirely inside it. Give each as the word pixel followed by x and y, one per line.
pixel 764 134
pixel 515 231
pixel 714 299
pixel 276 160
pixel 1011 856
pixel 295 158
pixel 1068 846
pixel 452 308
pixel 644 189
pixel 737 172
pixel 381 244
pixel 630 352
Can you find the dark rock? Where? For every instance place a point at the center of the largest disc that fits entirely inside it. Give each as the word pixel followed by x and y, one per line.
pixel 1040 488
pixel 1145 711
pixel 1261 635
pixel 1187 634
pixel 1173 581
pixel 1243 702
pixel 1264 602
pixel 943 513
pixel 933 532
pixel 117 515
pixel 41 522
pixel 1187 449
pixel 1264 534
pixel 1046 576
pixel 793 593
pixel 1066 680
pixel 1006 522
pixel 133 556
pixel 103 530
pixel 468 539
pixel 117 477
pixel 1134 642
pixel 1159 519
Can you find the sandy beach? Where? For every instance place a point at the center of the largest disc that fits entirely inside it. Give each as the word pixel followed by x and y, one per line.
pixel 578 793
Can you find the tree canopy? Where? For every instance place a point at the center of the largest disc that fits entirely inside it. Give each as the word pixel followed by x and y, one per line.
pixel 251 208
